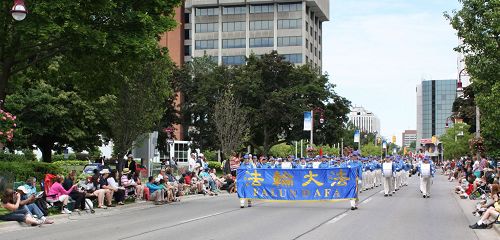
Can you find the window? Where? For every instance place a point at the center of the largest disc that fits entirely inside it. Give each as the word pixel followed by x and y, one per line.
pixel 311 47
pixel 319 55
pixel 187 17
pixel 307 26
pixel 207 27
pixel 319 39
pixel 293 58
pixel 311 31
pixel 234 43
pixel 214 11
pixel 289 7
pixel 187 34
pixel 307 59
pixel 187 50
pixel 233 26
pixel 234 10
pixel 289 23
pixel 307 44
pixel 289 41
pixel 233 60
pixel 268 8
pixel 206 44
pixel 214 59
pixel 315 51
pixel 261 25
pixel 261 42
pixel 316 35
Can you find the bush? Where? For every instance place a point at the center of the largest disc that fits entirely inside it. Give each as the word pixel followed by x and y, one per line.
pixel 210 155
pixel 214 164
pixel 24 170
pixel 9 157
pixel 60 157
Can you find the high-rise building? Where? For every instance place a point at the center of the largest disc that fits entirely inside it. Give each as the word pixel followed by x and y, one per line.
pixel 364 120
pixel 434 104
pixel 409 136
pixel 230 30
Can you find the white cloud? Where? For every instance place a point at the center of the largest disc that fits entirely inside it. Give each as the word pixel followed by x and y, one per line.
pixel 376 53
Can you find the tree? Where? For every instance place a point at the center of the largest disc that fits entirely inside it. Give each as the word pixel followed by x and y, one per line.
pixel 230 123
pixel 139 105
pixel 85 29
pixel 465 108
pixel 371 149
pixel 456 141
pixel 478 26
pixel 53 119
pixel 281 150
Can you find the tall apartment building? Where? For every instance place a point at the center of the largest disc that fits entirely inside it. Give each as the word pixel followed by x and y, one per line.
pixel 434 104
pixel 230 30
pixel 364 120
pixel 409 136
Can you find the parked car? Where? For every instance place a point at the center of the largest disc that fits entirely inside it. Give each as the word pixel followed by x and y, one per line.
pixel 89 168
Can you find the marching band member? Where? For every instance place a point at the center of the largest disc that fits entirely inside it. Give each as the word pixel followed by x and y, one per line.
pixel 246 164
pixel 388 173
pixel 324 163
pixel 426 170
pixel 356 164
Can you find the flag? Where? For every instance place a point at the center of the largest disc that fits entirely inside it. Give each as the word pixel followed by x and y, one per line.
pixel 307 121
pixel 356 136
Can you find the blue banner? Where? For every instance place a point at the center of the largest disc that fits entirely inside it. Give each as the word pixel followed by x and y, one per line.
pixel 297 184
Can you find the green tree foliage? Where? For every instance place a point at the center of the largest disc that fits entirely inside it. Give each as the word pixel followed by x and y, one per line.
pixel 478 25
pixel 371 149
pixel 282 150
pixel 274 93
pixel 86 29
pixel 465 108
pixel 456 141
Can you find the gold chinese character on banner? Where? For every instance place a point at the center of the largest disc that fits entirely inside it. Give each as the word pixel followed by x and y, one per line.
pixel 340 179
pixel 285 179
pixel 310 178
pixel 255 178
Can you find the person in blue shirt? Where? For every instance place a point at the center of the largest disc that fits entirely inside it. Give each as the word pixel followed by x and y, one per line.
pixel 302 164
pixel 246 164
pixel 324 163
pixel 356 165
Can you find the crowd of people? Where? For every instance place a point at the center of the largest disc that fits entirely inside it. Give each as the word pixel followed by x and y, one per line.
pixel 478 180
pixel 107 188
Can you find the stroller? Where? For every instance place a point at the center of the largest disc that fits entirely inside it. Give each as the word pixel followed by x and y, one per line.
pixel 480 193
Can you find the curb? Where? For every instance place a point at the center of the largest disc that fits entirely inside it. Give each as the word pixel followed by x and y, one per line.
pixel 12 226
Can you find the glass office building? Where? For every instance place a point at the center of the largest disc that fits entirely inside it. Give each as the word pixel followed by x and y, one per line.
pixel 434 106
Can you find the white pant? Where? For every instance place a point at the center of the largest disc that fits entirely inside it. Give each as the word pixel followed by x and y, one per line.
pixel 378 177
pixel 354 203
pixel 425 185
pixel 242 202
pixel 388 185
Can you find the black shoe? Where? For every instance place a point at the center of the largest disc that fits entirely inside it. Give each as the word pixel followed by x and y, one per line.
pixel 476 226
pixel 249 205
pixel 423 196
pixel 385 195
pixel 390 195
pixel 242 206
pixel 353 208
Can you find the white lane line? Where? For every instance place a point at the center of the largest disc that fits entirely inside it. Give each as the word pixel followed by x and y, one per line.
pixel 381 191
pixel 337 218
pixel 367 200
pixel 199 218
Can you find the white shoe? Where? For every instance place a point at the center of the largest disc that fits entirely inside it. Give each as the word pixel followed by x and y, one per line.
pixel 66 211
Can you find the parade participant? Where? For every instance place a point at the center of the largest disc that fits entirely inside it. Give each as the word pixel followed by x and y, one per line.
pixel 247 164
pixel 302 164
pixel 388 173
pixel 355 164
pixel 378 172
pixel 426 170
pixel 324 163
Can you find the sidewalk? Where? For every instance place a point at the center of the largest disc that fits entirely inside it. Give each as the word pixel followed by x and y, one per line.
pixel 63 218
pixel 467 206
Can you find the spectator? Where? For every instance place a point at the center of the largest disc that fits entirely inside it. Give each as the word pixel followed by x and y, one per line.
pixel 92 190
pixel 209 182
pixel 234 164
pixel 195 184
pixel 11 201
pixel 103 184
pixel 218 181
pixel 157 192
pixel 173 184
pixel 28 203
pixel 76 195
pixel 118 192
pixel 228 184
pixel 131 164
pixel 192 163
pixel 129 183
pixel 58 193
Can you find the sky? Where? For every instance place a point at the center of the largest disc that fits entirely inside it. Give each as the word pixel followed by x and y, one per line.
pixel 377 51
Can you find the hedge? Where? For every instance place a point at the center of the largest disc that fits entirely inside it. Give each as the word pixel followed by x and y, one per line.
pixel 214 164
pixel 20 171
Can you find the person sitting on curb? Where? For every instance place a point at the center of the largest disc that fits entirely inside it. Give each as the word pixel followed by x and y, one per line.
pixel 103 184
pixel 11 201
pixel 119 192
pixel 57 192
pixel 157 192
pixel 77 196
pixel 91 189
pixel 28 203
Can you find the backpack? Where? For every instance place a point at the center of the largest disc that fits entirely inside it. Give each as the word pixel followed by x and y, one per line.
pixel 42 205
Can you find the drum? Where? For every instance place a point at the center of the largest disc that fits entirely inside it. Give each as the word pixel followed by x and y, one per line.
pixel 425 170
pixel 316 164
pixel 387 169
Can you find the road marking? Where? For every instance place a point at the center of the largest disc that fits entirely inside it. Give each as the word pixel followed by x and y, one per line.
pixel 202 217
pixel 381 191
pixel 367 200
pixel 337 218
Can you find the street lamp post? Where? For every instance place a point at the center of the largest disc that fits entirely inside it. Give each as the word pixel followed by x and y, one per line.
pixel 18 10
pixel 321 121
pixel 463 72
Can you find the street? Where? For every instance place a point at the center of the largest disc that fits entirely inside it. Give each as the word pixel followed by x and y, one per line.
pixel 406 215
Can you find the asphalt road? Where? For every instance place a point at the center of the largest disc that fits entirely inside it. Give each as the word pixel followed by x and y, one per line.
pixel 406 215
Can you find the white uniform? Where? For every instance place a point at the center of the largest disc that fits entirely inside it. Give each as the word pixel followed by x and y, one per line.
pixel 388 175
pixel 425 179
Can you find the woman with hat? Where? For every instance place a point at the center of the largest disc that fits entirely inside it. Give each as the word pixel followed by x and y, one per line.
pixel 128 181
